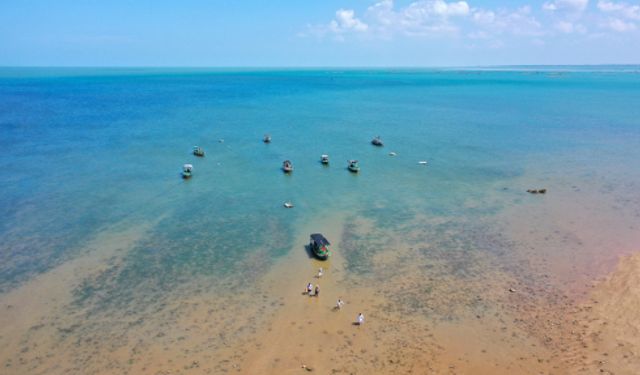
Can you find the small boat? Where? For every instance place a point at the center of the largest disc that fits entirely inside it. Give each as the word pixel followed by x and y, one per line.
pixel 320 246
pixel 266 139
pixel 198 151
pixel 377 141
pixel 287 166
pixel 392 153
pixel 288 204
pixel 422 162
pixel 353 166
pixel 186 171
pixel 324 159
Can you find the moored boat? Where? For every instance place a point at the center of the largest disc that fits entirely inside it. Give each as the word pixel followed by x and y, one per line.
pixel 319 246
pixel 287 166
pixel 266 139
pixel 353 166
pixel 198 151
pixel 186 171
pixel 324 159
pixel 377 141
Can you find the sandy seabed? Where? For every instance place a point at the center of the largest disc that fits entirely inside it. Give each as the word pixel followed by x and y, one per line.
pixel 430 308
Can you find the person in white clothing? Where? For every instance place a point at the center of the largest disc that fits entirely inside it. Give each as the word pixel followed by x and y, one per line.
pixel 320 272
pixel 360 319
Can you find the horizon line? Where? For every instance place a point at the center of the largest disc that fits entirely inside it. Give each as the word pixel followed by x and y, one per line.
pixel 312 66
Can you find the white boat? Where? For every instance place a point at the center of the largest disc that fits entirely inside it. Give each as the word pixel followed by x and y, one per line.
pixel 288 204
pixel 422 162
pixel 186 171
pixel 324 159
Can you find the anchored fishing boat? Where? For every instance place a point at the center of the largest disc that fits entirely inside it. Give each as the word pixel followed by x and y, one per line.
pixel 353 166
pixel 287 166
pixel 324 159
pixel 377 141
pixel 198 151
pixel 266 139
pixel 320 246
pixel 186 171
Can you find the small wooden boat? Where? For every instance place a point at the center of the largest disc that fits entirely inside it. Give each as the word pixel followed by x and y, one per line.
pixel 320 246
pixel 422 162
pixel 353 166
pixel 377 141
pixel 186 171
pixel 198 151
pixel 324 159
pixel 266 139
pixel 288 205
pixel 287 166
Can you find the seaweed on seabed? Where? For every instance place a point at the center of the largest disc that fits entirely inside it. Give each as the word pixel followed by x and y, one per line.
pixel 359 249
pixel 177 251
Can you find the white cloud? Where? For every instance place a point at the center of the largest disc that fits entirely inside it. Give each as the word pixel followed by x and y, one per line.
pixel 387 19
pixel 484 17
pixel 619 25
pixel 566 5
pixel 620 9
pixel 569 27
pixel 516 22
pixel 346 21
pixel 423 17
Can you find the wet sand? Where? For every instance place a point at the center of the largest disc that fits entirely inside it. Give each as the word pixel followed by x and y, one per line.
pixel 430 308
pixel 608 324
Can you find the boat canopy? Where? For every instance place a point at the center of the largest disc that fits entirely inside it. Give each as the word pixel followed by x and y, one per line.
pixel 319 239
pixel 187 166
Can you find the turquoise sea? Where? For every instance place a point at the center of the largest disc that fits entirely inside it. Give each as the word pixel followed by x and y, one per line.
pixel 85 152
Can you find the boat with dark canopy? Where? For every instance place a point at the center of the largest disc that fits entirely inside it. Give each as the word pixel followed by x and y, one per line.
pixel 353 166
pixel 266 139
pixel 198 151
pixel 320 246
pixel 287 166
pixel 377 141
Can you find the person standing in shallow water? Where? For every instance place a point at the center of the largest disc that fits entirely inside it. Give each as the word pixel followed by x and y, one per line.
pixel 320 272
pixel 360 319
pixel 317 290
pixel 339 304
pixel 309 288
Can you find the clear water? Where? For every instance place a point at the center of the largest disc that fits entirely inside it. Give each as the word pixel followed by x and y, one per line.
pixel 82 150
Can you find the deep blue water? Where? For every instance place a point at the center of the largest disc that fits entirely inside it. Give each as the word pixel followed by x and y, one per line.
pixel 84 149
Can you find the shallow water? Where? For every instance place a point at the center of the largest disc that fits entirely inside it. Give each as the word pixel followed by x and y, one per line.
pixel 89 154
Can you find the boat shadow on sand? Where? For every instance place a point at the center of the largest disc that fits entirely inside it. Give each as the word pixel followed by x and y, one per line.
pixel 309 252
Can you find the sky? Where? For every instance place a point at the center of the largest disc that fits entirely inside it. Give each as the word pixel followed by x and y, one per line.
pixel 317 33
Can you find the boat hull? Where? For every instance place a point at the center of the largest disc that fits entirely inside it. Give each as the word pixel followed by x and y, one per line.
pixel 320 256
